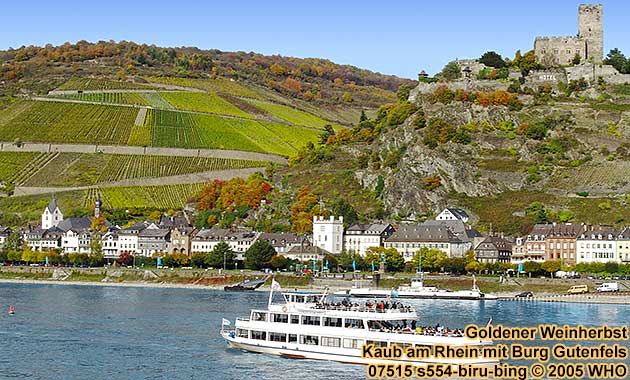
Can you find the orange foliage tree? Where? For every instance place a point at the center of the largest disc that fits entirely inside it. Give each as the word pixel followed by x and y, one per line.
pixel 303 209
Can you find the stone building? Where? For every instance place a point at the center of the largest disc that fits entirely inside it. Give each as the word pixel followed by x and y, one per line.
pixel 588 44
pixel 561 242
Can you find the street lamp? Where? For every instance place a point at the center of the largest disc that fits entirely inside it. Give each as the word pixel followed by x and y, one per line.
pixel 224 258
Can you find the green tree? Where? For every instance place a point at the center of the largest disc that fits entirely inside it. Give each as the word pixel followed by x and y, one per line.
pixel 451 71
pixel 394 262
pixel 432 259
pixel 492 59
pixel 347 258
pixel 611 267
pixel 576 59
pixel 474 266
pixel 403 93
pixel 13 242
pixel 616 59
pixel 14 256
pixel 278 262
pixel 332 262
pixel 96 257
pixel 259 255
pixel 215 258
pixel 550 266
pixel 531 267
pixel 341 207
pixel 198 259
pixel 328 131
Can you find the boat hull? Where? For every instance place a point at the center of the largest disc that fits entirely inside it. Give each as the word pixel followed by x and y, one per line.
pixel 296 353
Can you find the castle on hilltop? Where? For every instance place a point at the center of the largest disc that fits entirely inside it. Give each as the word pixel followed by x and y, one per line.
pixel 588 45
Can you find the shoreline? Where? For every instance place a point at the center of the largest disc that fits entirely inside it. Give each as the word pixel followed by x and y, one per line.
pixel 591 298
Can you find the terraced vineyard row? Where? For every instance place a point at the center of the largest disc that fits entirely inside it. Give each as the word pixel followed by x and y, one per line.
pixel 67 122
pixel 291 115
pixel 77 169
pixel 162 197
pixel 607 174
pixel 218 85
pixel 13 165
pixel 203 102
pixel 108 97
pixel 76 83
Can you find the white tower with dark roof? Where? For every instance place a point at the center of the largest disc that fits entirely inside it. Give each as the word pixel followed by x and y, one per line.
pixel 52 215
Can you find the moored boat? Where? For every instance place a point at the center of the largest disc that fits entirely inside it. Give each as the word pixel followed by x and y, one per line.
pixel 417 290
pixel 246 285
pixel 307 326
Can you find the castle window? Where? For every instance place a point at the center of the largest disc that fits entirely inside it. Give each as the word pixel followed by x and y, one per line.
pixel 555 51
pixel 568 51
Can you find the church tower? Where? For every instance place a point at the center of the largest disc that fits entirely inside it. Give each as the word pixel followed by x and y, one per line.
pixel 591 30
pixel 97 206
pixel 52 216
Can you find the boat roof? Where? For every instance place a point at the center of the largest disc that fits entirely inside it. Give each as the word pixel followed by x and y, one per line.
pixel 304 293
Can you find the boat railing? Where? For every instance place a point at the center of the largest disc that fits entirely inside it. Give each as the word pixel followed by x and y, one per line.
pixel 424 332
pixel 243 319
pixel 365 308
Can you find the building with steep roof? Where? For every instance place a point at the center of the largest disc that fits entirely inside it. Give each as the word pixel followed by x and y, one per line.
pixel 453 213
pixel 52 215
pixel 560 242
pixel 239 240
pixel 493 249
pixel 282 242
pixel 409 239
pixel 597 244
pixel 359 237
pixel 623 246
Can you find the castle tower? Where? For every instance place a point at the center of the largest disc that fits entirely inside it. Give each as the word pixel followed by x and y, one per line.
pixel 97 206
pixel 52 216
pixel 328 233
pixel 591 29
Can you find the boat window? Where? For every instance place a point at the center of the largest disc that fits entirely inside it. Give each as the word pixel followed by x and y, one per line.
pixel 332 322
pixel 292 338
pixel 259 316
pixel 353 323
pixel 310 320
pixel 311 299
pixel 331 342
pixel 277 337
pixel 280 318
pixel 242 333
pixel 351 343
pixel 299 299
pixel 309 339
pixel 260 335
pixel 376 343
pixel 379 325
pixel 295 319
pixel 403 346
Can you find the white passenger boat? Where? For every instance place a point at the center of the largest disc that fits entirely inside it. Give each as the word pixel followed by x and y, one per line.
pixel 417 290
pixel 307 326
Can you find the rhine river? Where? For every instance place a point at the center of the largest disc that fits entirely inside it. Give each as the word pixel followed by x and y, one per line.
pixel 93 332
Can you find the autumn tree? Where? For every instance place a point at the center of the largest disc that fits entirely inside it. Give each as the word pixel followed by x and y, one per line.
pixel 303 209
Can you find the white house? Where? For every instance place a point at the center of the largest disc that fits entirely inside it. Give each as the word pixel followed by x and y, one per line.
pixel 597 245
pixel 109 243
pixel 239 240
pixel 128 239
pixel 76 237
pixel 359 237
pixel 453 213
pixel 411 238
pixel 328 233
pixel 52 216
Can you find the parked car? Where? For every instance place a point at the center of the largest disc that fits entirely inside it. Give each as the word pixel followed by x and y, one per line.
pixel 524 295
pixel 578 289
pixel 608 287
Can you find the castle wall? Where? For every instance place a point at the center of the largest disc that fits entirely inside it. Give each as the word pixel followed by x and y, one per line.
pixel 556 51
pixel 542 77
pixel 591 72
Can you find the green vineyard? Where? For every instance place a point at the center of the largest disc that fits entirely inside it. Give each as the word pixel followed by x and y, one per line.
pixel 154 99
pixel 202 102
pixel 15 166
pixel 132 98
pixel 218 86
pixel 292 115
pixel 162 197
pixel 68 122
pixel 100 84
pixel 76 169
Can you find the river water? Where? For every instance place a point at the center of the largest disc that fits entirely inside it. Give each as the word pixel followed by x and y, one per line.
pixel 93 332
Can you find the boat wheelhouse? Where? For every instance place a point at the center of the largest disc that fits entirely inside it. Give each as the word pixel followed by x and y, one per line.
pixel 307 326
